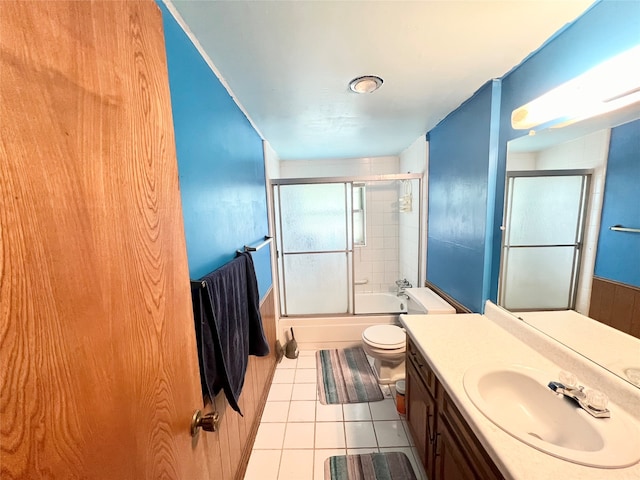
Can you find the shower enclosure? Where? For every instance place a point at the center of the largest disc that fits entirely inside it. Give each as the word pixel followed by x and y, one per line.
pixel 343 243
pixel 542 238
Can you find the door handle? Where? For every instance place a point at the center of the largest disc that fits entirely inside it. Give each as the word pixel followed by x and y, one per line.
pixel 415 357
pixel 436 444
pixel 208 422
pixel 432 437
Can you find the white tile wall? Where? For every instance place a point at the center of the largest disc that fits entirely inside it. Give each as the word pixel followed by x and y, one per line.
pixel 410 238
pixel 271 161
pixel 377 262
pixel 517 161
pixel 413 158
pixel 346 167
pixel 590 151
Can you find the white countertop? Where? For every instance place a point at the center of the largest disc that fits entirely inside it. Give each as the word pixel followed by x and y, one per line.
pixel 453 343
pixel 614 350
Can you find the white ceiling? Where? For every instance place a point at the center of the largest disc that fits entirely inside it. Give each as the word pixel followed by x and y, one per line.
pixel 288 63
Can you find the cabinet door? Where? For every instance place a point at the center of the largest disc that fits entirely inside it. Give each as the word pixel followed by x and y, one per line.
pixel 420 416
pixel 450 461
pixel 475 455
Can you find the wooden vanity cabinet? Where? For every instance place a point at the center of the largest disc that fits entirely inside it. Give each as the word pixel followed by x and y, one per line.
pixel 448 448
pixel 450 459
pixel 421 408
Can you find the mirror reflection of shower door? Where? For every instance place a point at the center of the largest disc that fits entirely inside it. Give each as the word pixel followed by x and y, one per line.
pixel 314 247
pixel 542 239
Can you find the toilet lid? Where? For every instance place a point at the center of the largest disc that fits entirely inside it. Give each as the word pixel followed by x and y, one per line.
pixel 385 336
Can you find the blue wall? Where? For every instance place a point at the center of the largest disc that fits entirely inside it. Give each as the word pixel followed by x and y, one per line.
pixel 220 163
pixel 618 256
pixel 460 150
pixel 607 28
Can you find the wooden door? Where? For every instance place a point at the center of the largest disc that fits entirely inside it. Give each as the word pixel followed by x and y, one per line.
pixel 99 374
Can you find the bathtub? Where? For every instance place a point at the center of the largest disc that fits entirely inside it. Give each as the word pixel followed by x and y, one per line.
pixel 379 303
pixel 344 331
pixel 314 333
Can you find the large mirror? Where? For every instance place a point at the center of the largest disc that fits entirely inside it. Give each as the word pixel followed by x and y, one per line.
pixel 551 239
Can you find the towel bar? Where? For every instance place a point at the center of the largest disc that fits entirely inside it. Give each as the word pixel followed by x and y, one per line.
pixel 620 228
pixel 246 248
pixel 254 248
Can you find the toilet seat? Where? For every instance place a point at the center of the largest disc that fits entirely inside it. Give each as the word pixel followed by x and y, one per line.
pixel 385 337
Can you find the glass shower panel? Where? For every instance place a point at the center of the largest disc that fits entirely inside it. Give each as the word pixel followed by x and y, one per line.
pixel 314 248
pixel 539 278
pixel 545 210
pixel 314 217
pixel 278 245
pixel 409 231
pixel 544 218
pixel 317 283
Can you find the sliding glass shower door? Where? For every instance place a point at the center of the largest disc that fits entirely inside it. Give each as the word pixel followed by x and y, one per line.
pixel 314 247
pixel 542 239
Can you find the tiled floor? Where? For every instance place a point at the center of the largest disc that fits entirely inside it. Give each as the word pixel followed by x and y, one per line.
pixel 298 433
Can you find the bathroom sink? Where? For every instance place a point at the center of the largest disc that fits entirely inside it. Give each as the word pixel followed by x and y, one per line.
pixel 517 399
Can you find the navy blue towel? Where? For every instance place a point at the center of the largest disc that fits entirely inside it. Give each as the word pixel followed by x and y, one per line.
pixel 228 327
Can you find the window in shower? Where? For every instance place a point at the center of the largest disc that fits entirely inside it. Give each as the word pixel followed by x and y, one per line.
pixel 359 215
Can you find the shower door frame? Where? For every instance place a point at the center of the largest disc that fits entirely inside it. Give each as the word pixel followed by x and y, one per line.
pixel 585 192
pixel 277 182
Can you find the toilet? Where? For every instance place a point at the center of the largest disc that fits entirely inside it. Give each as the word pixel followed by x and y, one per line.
pixel 386 344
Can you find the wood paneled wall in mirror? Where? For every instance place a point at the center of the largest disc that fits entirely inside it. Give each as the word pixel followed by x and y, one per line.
pixel 617 305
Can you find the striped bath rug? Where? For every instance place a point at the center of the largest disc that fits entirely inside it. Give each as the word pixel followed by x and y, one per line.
pixel 371 466
pixel 345 376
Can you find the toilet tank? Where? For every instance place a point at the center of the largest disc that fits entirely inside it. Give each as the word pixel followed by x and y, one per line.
pixel 426 301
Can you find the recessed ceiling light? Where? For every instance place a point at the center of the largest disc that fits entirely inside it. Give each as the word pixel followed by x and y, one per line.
pixel 366 84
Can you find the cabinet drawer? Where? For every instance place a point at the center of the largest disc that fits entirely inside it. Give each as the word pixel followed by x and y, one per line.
pixel 426 374
pixel 478 457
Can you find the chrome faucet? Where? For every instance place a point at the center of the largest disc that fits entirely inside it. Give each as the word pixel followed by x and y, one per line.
pixel 402 285
pixel 593 401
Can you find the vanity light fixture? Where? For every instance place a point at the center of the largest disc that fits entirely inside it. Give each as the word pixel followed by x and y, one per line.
pixel 609 86
pixel 365 84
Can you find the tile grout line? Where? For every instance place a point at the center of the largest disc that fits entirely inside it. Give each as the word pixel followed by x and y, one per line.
pixel 315 456
pixel 373 426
